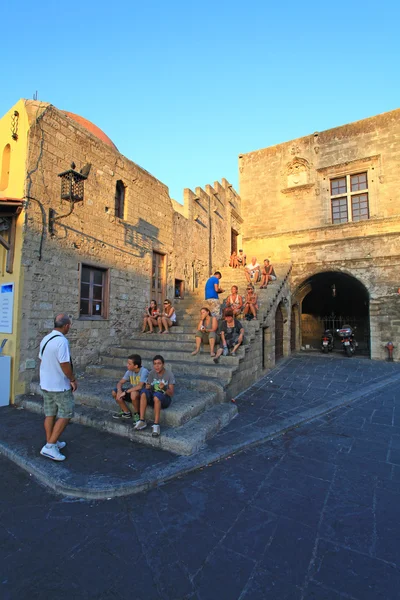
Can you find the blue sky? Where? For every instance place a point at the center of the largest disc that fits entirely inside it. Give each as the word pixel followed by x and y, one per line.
pixel 183 88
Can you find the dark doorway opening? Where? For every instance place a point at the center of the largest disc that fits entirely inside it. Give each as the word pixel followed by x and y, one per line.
pixel 334 300
pixel 179 288
pixel 278 334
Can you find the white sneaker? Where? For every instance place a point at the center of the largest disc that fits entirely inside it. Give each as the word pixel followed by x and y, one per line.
pixel 155 430
pixel 140 425
pixel 52 452
pixel 61 445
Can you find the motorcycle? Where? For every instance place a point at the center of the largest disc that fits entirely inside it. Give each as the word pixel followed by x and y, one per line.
pixel 327 341
pixel 347 340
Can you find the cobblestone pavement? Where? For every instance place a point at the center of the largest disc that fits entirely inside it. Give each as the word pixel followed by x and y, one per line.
pixel 310 515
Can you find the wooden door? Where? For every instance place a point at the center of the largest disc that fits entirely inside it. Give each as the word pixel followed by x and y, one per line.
pixel 278 334
pixel 234 237
pixel 158 278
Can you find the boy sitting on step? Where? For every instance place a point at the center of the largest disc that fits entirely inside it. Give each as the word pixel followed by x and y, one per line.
pixel 160 387
pixel 136 375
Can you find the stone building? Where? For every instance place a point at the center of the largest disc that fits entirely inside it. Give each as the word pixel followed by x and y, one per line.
pixel 102 258
pixel 324 208
pixel 329 204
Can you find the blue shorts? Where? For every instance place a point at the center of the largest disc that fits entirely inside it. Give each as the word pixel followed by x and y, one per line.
pixel 164 399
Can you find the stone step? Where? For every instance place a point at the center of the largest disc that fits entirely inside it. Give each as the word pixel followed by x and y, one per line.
pixel 221 372
pixel 118 356
pixel 184 440
pixel 186 403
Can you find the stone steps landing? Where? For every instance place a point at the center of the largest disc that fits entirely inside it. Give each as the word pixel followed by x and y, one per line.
pixel 187 403
pixel 183 440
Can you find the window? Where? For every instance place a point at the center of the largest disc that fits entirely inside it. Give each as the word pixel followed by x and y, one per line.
pixel 346 199
pixel 119 199
pixel 94 292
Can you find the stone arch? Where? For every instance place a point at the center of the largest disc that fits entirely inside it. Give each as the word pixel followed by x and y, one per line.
pixel 328 299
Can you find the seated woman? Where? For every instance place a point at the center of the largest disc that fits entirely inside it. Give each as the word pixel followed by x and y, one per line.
pixel 267 274
pixel 250 303
pixel 168 318
pixel 233 262
pixel 206 331
pixel 234 301
pixel 232 333
pixel 150 317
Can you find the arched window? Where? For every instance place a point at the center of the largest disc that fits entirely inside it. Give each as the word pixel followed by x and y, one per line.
pixel 5 167
pixel 119 199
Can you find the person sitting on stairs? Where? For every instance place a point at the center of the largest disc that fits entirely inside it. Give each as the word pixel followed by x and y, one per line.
pixel 135 377
pixel 206 331
pixel 160 387
pixel 232 333
pixel 234 301
pixel 267 274
pixel 168 318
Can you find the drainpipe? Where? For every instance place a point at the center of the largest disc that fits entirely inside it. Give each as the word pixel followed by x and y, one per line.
pixel 209 237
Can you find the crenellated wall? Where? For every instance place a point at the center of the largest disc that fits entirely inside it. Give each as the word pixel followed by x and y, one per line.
pixel 202 234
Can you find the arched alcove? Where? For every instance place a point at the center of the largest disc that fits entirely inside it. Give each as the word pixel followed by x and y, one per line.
pixel 330 300
pixel 5 167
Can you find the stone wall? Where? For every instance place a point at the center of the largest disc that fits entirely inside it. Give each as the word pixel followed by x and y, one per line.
pixel 372 260
pixel 285 188
pixel 286 200
pixel 92 235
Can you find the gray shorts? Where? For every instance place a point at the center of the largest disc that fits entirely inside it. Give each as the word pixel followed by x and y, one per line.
pixel 58 404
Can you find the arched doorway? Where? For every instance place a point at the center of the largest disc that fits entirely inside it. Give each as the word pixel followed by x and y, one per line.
pixel 331 300
pixel 278 333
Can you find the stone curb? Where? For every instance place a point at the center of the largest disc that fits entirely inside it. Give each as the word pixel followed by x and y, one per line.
pixel 184 464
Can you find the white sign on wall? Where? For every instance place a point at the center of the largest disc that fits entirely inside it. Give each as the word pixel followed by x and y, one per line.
pixel 6 307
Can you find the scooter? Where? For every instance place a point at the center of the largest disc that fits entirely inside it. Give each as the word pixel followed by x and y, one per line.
pixel 347 340
pixel 327 341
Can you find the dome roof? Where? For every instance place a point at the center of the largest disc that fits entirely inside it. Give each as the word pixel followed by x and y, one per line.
pixel 92 128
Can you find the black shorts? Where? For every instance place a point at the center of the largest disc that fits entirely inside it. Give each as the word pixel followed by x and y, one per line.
pixel 126 397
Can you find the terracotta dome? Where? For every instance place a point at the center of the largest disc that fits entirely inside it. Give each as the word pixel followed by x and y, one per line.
pixel 92 128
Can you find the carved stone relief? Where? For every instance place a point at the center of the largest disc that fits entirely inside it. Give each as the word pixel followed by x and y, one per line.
pixel 297 172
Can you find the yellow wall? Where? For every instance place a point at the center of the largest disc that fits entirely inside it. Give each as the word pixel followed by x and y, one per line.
pixel 15 186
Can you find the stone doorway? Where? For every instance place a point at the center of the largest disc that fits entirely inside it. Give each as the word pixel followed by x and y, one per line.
pixel 158 278
pixel 234 241
pixel 278 333
pixel 330 301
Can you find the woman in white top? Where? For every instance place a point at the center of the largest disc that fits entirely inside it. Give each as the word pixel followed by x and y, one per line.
pixel 168 318
pixel 235 301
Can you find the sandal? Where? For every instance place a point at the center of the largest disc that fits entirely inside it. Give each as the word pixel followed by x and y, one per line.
pixel 212 354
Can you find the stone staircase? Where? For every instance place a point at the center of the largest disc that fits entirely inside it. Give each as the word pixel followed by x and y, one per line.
pixel 202 401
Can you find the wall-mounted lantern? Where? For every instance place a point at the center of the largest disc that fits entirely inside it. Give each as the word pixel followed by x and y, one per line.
pixel 72 185
pixel 72 189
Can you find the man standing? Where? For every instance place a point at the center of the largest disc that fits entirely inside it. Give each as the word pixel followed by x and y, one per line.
pixel 57 382
pixel 212 290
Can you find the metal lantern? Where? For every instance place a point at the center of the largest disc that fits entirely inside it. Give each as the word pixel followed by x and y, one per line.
pixel 72 185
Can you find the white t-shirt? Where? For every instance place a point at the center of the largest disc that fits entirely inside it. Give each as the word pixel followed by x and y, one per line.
pixel 52 378
pixel 251 267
